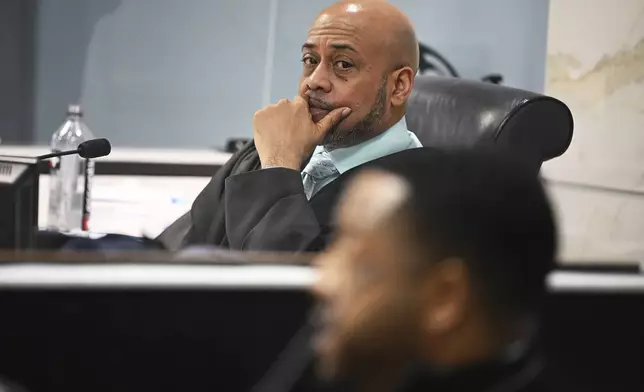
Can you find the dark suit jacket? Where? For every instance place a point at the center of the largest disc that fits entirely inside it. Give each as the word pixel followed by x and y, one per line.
pixel 525 375
pixel 246 208
pixel 529 373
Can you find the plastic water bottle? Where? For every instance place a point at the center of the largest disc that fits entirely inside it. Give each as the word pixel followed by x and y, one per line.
pixel 70 176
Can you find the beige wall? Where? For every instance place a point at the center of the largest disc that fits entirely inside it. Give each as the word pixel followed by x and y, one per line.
pixel 595 64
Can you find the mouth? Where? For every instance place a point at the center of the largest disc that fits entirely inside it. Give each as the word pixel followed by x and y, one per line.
pixel 319 109
pixel 324 340
pixel 318 114
pixel 322 344
pixel 323 332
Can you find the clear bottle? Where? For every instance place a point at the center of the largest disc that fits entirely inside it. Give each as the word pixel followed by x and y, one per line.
pixel 70 176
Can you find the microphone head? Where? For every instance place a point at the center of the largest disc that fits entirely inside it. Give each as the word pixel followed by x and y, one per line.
pixel 94 148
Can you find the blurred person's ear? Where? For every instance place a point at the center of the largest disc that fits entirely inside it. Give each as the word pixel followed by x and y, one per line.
pixel 446 296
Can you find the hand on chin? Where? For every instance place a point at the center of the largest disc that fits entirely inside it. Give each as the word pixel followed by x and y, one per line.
pixel 286 133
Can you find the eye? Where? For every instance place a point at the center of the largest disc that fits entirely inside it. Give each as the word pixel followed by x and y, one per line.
pixel 309 60
pixel 343 64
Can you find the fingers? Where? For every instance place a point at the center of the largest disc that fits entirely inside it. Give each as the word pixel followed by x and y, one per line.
pixel 298 100
pixel 332 119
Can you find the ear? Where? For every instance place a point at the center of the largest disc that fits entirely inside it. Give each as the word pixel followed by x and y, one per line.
pixel 447 297
pixel 403 79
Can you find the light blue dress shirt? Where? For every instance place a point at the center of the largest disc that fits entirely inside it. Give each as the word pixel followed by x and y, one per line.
pixel 395 139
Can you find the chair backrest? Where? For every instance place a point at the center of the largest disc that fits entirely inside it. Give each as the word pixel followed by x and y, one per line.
pixel 451 112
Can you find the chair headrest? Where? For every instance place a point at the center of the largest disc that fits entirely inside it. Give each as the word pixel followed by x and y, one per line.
pixel 451 112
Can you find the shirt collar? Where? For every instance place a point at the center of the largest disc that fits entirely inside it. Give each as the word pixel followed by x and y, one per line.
pixel 392 140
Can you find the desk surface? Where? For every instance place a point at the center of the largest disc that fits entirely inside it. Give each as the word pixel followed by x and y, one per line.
pixel 96 276
pixel 156 275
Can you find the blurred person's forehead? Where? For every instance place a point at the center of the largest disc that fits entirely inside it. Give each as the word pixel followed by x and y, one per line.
pixel 370 199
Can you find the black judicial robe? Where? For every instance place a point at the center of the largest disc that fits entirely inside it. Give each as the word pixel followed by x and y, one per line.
pixel 246 208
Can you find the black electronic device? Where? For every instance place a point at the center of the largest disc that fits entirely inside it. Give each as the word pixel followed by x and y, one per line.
pixel 19 183
pixel 18 202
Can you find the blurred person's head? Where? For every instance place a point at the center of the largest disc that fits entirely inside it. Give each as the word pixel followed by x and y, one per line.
pixel 360 54
pixel 440 261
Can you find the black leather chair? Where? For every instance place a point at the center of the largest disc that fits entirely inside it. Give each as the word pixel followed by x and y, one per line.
pixel 451 112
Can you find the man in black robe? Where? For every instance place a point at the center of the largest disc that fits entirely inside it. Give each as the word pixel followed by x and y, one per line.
pixel 358 67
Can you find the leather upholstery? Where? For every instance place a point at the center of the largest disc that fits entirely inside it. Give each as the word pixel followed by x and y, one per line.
pixel 451 112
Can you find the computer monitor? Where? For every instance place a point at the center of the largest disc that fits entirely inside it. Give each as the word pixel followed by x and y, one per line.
pixel 18 202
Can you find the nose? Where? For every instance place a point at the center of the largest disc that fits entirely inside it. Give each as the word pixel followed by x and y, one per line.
pixel 319 80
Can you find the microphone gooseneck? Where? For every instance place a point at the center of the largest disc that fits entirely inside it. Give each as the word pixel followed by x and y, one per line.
pixel 94 148
pixel 56 154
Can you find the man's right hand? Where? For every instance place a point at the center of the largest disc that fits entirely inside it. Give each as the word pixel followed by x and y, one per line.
pixel 285 134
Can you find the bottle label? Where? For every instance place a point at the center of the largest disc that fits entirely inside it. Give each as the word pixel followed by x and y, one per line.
pixel 87 189
pixel 54 163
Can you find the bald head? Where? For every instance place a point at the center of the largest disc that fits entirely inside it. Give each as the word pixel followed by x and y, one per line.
pixel 360 54
pixel 385 23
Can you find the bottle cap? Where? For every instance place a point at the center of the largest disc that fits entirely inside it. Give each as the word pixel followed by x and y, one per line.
pixel 74 110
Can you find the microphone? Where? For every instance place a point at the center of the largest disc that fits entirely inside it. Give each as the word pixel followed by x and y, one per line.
pixel 94 148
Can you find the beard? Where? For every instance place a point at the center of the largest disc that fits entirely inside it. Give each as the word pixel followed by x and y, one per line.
pixel 364 129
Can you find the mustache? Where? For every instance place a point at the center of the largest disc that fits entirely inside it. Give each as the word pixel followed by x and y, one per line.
pixel 320 104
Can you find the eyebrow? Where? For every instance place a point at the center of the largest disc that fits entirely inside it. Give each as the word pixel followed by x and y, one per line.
pixel 309 45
